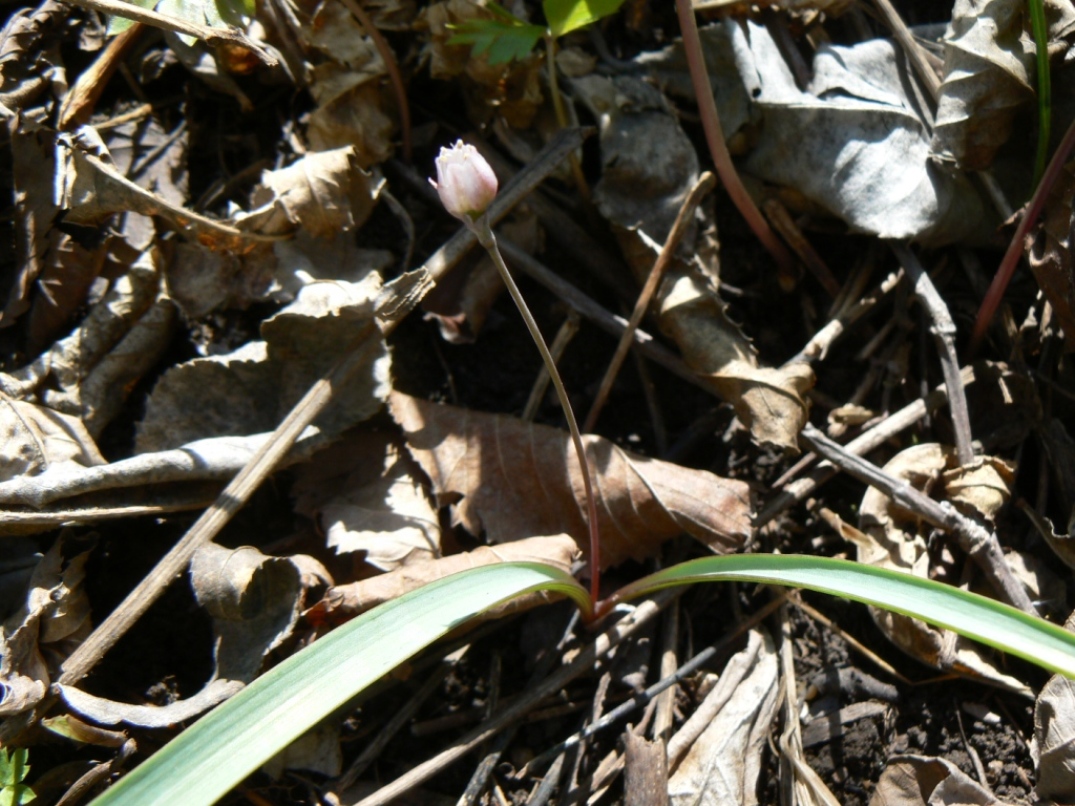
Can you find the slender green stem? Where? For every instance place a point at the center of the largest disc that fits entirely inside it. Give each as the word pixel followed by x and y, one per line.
pixel 1045 93
pixel 487 239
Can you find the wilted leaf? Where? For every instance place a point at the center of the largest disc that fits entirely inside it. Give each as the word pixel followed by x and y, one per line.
pixel 34 438
pixel 368 496
pixel 925 781
pixel 516 480
pixel 252 389
pixel 989 57
pixel 1053 748
pixel 895 539
pixel 254 601
pixel 724 740
pixel 346 601
pixel 55 610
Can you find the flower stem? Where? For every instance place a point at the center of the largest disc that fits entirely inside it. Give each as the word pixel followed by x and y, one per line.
pixel 480 227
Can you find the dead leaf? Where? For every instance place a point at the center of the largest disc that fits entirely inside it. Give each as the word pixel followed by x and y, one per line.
pixel 1053 747
pixel 34 438
pixel 253 388
pixel 508 479
pixel 254 601
pixel 368 496
pixel 927 781
pixel 724 740
pixel 989 76
pixel 897 540
pixel 346 601
pixel 54 611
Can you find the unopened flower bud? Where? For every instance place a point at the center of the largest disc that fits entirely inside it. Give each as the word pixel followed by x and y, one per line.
pixel 465 182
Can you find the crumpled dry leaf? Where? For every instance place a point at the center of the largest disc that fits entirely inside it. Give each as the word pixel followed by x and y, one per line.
pixel 853 141
pixel 34 439
pixel 725 739
pixel 253 388
pixel 649 168
pixel 517 479
pixel 255 602
pixel 367 495
pixel 89 373
pixel 53 619
pixel 771 402
pixel 346 601
pixel 927 781
pixel 989 76
pixel 1053 745
pixel 1050 253
pixel 892 537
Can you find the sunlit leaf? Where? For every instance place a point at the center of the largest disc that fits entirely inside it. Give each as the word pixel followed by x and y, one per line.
pixel 501 40
pixel 565 16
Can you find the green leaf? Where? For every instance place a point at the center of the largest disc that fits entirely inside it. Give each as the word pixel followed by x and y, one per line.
pixel 17 795
pixel 502 39
pixel 215 13
pixel 13 766
pixel 565 16
pixel 209 758
pixel 969 614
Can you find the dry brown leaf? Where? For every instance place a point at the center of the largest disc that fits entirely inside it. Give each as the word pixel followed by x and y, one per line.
pixel 896 539
pixel 368 496
pixel 345 601
pixel 34 438
pixel 510 479
pixel 1053 747
pixel 926 781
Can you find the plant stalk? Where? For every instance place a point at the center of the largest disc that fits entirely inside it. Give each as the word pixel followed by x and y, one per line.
pixel 487 239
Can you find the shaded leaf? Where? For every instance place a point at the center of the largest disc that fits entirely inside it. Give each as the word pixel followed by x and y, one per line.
pixel 502 39
pixel 1050 253
pixel 928 781
pixel 509 479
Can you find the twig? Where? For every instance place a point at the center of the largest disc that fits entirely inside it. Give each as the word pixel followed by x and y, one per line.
pixel 211 35
pixel 395 304
pixel 582 664
pixel 801 489
pixel 1018 244
pixel 714 135
pixel 784 224
pixel 923 69
pixel 944 333
pixel 979 543
pixel 683 219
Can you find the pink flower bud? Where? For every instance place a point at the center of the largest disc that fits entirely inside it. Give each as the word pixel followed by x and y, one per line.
pixel 465 182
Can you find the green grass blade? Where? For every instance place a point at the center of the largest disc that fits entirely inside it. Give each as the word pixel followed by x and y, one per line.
pixel 1045 93
pixel 209 758
pixel 969 614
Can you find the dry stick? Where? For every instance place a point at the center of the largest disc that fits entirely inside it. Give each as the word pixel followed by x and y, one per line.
pixel 978 542
pixel 714 135
pixel 232 498
pixel 392 66
pixel 683 219
pixel 1017 245
pixel 211 35
pixel 944 333
pixel 488 241
pixel 640 700
pixel 783 223
pixel 800 489
pixel 583 663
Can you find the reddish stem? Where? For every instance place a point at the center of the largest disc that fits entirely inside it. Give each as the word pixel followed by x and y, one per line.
pixel 714 135
pixel 1016 248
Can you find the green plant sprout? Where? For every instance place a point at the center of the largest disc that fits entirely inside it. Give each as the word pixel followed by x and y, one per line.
pixel 214 13
pixel 1040 30
pixel 208 759
pixel 13 771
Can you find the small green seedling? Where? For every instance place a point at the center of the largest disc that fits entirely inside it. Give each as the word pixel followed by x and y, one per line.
pixel 505 37
pixel 13 771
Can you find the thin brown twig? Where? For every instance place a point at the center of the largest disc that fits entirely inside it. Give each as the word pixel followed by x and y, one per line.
pixel 714 135
pixel 944 333
pixel 683 219
pixel 980 544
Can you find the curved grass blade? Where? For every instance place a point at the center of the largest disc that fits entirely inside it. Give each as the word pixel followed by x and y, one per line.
pixel 1039 27
pixel 969 614
pixel 209 758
